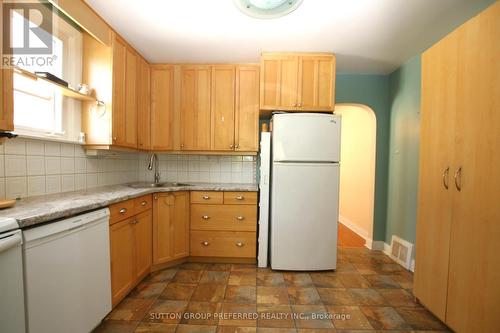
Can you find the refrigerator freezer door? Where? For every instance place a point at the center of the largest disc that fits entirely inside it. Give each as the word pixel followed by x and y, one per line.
pixel 304 215
pixel 306 137
pixel 264 185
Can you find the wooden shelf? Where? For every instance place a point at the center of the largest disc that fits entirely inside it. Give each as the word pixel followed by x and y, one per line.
pixel 65 91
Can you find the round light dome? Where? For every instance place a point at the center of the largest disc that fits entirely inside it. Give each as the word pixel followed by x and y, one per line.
pixel 266 9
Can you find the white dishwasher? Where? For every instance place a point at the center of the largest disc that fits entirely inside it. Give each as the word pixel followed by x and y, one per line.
pixel 67 274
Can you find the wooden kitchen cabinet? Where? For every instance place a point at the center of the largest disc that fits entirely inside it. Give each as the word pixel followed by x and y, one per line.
pixel 456 265
pixel 223 107
pixel 162 107
pixel 297 81
pixel 246 125
pixel 143 105
pixel 6 90
pixel 130 236
pixel 121 238
pixel 170 227
pixel 195 119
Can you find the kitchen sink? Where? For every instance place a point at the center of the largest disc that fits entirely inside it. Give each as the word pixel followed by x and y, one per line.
pixel 162 184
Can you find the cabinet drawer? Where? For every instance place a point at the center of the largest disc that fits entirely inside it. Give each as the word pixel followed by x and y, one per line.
pixel 143 203
pixel 121 210
pixel 240 198
pixel 231 244
pixel 224 217
pixel 206 197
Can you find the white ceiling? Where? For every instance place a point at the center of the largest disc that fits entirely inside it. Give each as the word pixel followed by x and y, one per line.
pixel 368 36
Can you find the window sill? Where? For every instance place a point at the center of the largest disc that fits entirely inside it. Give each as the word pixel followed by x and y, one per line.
pixel 53 138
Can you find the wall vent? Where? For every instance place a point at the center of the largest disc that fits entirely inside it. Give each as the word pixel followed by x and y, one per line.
pixel 401 251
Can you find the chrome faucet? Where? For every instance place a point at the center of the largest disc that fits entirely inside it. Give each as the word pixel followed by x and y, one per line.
pixel 153 161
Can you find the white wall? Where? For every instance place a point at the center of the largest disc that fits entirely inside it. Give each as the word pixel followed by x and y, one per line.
pixel 357 170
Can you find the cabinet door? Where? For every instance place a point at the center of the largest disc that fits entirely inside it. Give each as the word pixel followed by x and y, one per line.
pixel 316 83
pixel 439 75
pixel 195 107
pixel 6 90
pixel 247 108
pixel 162 235
pixel 119 112
pixel 180 225
pixel 474 271
pixel 131 99
pixel 143 234
pixel 223 91
pixel 279 74
pixel 162 107
pixel 122 259
pixel 143 106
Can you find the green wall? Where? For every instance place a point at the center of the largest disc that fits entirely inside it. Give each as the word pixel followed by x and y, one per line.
pixel 404 97
pixel 373 91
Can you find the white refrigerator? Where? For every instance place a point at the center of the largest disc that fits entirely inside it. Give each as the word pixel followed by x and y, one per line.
pixel 304 191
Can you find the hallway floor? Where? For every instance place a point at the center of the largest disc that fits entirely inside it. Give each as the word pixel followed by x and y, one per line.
pixel 367 292
pixel 348 238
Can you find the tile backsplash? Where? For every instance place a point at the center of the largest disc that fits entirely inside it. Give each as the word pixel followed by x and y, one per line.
pixel 201 168
pixel 36 167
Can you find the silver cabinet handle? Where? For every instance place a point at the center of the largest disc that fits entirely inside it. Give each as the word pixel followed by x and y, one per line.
pixel 240 197
pixel 231 146
pixel 205 243
pixel 458 179
pixel 205 217
pixel 144 203
pixel 295 105
pixel 237 146
pixel 155 197
pixel 446 172
pixel 239 244
pixel 205 197
pixel 182 145
pixel 123 211
pixel 299 105
pixel 240 218
pixel 114 138
pixel 134 221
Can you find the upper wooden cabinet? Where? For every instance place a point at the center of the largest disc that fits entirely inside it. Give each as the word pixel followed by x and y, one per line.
pixel 246 130
pixel 162 107
pixel 195 118
pixel 124 95
pixel 297 81
pixel 223 105
pixel 143 106
pixel 6 90
pixel 119 77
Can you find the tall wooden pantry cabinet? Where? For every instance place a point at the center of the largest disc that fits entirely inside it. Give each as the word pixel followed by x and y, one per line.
pixel 457 273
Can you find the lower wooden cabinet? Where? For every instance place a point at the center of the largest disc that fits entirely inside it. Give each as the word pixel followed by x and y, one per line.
pixel 130 246
pixel 170 226
pixel 223 225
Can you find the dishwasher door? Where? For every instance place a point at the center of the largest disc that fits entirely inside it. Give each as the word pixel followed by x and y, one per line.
pixel 67 274
pixel 11 282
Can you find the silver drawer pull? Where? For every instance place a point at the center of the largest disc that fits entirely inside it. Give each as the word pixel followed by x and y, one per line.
pixel 240 218
pixel 205 197
pixel 240 197
pixel 144 203
pixel 239 244
pixel 123 211
pixel 205 243
pixel 205 217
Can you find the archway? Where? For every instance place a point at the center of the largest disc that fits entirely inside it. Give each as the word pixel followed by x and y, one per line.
pixel 357 170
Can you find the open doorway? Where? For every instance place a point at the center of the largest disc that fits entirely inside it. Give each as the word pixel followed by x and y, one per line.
pixel 357 175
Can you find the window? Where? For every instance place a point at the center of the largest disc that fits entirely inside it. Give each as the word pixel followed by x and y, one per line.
pixel 40 110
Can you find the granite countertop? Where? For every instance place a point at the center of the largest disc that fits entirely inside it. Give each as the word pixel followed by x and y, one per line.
pixel 31 211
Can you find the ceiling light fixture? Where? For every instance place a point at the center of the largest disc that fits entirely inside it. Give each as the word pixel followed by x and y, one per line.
pixel 267 9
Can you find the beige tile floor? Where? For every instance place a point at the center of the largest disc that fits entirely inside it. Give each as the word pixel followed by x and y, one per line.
pixel 367 293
